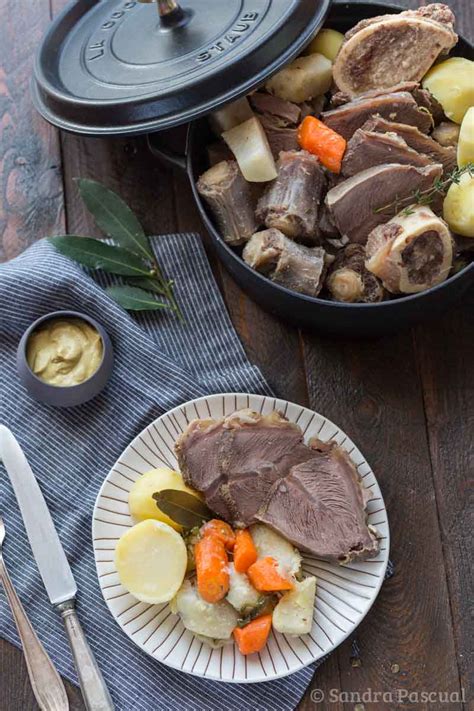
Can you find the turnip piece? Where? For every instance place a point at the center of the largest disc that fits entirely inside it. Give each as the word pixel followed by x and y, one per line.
pixel 294 613
pixel 250 146
pixel 231 115
pixel 304 79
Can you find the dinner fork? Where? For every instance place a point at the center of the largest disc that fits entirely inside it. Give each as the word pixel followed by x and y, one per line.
pixel 45 681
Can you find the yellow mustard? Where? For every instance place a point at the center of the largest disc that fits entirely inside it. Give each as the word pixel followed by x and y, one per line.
pixel 64 352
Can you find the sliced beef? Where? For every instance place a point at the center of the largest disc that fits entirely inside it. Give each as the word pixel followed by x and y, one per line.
pixel 291 201
pixel 293 265
pixel 369 148
pixel 229 197
pixel 425 98
pixel 446 155
pixel 399 106
pixel 265 103
pixel 234 461
pixel 348 279
pixel 412 252
pixel 320 507
pixel 358 204
pixel 340 97
pixel 390 49
pixel 280 137
pixel 253 467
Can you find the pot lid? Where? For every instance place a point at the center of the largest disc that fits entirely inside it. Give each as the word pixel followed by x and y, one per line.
pixel 110 67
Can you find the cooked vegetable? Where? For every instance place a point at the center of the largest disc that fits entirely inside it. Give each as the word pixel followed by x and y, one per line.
pixel 266 576
pixel 466 139
pixel 231 115
pixel 216 621
pixel 458 207
pixel 264 606
pixel 294 612
pixel 253 637
pixel 249 144
pixel 303 79
pixel 446 134
pixel 452 83
pixel 212 569
pixel 242 596
pixel 140 499
pixel 245 552
pixel 270 543
pixel 151 561
pixel 317 138
pixel 221 530
pixel 327 42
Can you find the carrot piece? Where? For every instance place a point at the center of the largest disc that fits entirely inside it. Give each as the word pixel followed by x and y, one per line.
pixel 315 137
pixel 265 577
pixel 221 530
pixel 211 569
pixel 245 553
pixel 253 637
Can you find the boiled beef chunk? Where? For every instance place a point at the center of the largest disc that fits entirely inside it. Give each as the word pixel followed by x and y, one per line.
pixel 229 197
pixel 286 111
pixel 320 507
pixel 348 279
pixel 287 263
pixel 358 204
pixel 412 252
pixel 280 137
pixel 369 148
pixel 291 201
pixel 399 106
pixel 387 50
pixel 446 155
pixel 338 98
pixel 234 461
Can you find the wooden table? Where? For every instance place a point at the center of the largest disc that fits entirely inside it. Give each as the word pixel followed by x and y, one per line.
pixel 406 400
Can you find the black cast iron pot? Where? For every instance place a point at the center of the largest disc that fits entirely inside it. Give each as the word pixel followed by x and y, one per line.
pixel 351 320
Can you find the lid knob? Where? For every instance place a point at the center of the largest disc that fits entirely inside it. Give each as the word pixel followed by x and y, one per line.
pixel 170 12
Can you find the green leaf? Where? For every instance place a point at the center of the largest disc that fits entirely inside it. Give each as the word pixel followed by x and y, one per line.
pixel 183 508
pixel 98 255
pixel 149 284
pixel 114 217
pixel 133 299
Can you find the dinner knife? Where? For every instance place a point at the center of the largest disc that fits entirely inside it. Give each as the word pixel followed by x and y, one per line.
pixel 54 568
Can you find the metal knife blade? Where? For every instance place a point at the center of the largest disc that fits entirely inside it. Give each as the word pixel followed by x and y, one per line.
pixel 44 540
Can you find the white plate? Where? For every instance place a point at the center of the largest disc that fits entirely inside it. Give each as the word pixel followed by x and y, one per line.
pixel 344 593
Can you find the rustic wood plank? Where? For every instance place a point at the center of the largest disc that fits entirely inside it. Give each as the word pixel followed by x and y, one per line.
pixel 444 356
pixel 372 390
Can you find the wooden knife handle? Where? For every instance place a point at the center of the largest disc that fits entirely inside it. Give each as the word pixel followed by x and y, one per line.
pixel 94 691
pixel 46 683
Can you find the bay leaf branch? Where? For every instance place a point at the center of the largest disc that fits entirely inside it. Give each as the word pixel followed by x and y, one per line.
pixel 95 254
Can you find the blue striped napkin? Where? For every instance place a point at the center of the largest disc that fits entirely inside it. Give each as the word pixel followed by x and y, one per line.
pixel 159 364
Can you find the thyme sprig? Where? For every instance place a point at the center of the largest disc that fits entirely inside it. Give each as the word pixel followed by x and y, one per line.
pixel 425 197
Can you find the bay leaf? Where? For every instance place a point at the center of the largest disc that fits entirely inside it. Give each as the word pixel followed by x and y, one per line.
pixel 114 217
pixel 183 508
pixel 96 254
pixel 149 284
pixel 135 299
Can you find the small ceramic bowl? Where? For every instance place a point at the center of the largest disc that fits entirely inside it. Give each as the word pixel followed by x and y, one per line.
pixel 60 396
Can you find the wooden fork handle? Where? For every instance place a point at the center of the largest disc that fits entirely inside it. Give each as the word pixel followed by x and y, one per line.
pixel 46 683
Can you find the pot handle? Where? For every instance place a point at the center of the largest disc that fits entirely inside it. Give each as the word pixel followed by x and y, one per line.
pixel 156 144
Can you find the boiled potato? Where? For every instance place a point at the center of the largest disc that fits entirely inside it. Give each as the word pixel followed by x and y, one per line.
pixel 249 144
pixel 303 79
pixel 140 501
pixel 231 115
pixel 466 139
pixel 294 613
pixel 327 42
pixel 216 620
pixel 269 543
pixel 452 83
pixel 458 207
pixel 242 595
pixel 151 561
